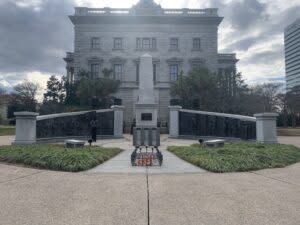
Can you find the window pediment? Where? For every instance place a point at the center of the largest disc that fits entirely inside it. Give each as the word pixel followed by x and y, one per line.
pixel 154 60
pixel 94 59
pixel 118 60
pixel 197 60
pixel 175 60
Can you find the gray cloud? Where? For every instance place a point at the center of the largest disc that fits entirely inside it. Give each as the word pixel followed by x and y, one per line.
pixel 241 45
pixel 268 56
pixel 34 40
pixel 243 15
pixel 250 23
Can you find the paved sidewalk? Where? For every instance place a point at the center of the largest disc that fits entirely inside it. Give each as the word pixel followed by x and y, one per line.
pixel 6 140
pixel 38 197
pixel 121 163
pixel 289 140
pixel 35 197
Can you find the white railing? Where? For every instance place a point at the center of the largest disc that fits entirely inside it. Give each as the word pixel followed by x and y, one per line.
pixel 233 116
pixel 52 116
pixel 84 11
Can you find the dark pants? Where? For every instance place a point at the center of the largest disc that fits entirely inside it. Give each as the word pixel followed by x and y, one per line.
pixel 94 134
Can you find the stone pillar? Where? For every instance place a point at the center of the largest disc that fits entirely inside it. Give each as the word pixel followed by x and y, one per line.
pixel 174 121
pixel 25 128
pixel 118 120
pixel 266 129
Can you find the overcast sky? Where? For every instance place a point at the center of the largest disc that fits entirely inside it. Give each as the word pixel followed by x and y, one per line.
pixel 35 34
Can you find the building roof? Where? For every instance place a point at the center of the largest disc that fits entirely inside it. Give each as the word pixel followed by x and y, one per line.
pixel 146 7
pixel 145 11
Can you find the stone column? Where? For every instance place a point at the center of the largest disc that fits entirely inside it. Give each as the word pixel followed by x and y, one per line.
pixel 118 120
pixel 25 128
pixel 266 128
pixel 174 121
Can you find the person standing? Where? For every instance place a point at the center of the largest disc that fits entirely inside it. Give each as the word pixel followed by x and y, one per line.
pixel 93 125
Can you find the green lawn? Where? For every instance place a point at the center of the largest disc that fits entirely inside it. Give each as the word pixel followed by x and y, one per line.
pixel 56 157
pixel 6 130
pixel 238 157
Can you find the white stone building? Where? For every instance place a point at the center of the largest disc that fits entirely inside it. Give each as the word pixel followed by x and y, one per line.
pixel 292 56
pixel 177 39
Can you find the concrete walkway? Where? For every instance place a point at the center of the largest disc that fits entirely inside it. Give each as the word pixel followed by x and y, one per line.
pixel 40 197
pixel 121 163
pixel 37 197
pixel 6 140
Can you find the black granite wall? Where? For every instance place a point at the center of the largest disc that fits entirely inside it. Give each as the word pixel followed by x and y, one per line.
pixel 192 124
pixel 76 125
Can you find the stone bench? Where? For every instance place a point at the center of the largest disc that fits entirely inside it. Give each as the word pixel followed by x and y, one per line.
pixel 215 143
pixel 74 143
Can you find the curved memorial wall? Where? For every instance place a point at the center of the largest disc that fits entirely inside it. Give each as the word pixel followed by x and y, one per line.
pixel 209 124
pixel 75 125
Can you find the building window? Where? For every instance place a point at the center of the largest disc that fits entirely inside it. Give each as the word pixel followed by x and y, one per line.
pixel 173 72
pixel 196 44
pixel 95 70
pixel 95 43
pixel 154 72
pixel 118 71
pixel 146 43
pixel 174 44
pixel 118 43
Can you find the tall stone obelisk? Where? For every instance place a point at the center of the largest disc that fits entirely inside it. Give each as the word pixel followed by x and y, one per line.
pixel 146 108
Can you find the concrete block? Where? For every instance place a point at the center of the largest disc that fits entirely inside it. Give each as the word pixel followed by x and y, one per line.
pixel 25 128
pixel 74 143
pixel 118 120
pixel 266 129
pixel 215 143
pixel 174 121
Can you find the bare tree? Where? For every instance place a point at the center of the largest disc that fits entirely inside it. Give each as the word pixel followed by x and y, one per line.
pixel 27 90
pixel 269 95
pixel 2 95
pixel 23 98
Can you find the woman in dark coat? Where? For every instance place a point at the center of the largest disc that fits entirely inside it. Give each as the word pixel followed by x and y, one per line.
pixel 93 125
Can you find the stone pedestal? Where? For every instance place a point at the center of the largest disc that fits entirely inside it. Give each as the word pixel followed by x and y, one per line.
pixel 25 128
pixel 146 115
pixel 174 121
pixel 118 120
pixel 266 129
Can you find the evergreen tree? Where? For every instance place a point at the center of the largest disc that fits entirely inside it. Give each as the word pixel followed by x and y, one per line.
pixel 55 91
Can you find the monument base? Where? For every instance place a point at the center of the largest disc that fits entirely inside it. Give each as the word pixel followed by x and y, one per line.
pixel 146 115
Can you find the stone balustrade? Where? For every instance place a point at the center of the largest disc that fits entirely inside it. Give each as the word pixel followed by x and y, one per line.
pixel 84 11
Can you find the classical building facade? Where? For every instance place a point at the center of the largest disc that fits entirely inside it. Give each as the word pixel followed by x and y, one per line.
pixel 177 39
pixel 292 54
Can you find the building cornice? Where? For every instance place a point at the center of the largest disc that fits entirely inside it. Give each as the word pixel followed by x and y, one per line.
pixel 181 20
pixel 227 58
pixel 145 12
